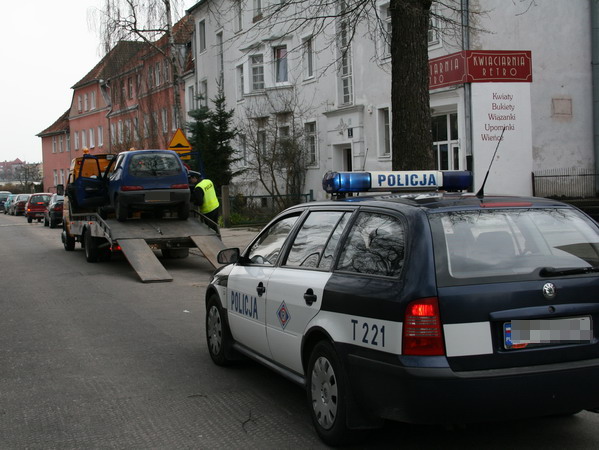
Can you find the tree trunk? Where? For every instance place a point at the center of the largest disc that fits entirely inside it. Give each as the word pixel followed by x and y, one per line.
pixel 411 120
pixel 176 64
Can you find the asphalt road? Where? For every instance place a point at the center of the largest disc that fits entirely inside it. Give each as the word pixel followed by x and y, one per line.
pixel 90 358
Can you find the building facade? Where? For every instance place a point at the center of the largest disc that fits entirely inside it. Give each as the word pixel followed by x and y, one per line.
pixel 492 72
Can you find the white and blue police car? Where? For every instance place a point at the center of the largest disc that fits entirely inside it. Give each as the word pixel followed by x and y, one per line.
pixel 422 307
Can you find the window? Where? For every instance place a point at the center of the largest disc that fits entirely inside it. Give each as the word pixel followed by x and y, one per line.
pixel 191 100
pixel 384 132
pixel 433 27
pixel 386 32
pixel 136 129
pixel 85 102
pixel 55 177
pixel 238 16
pixel 150 77
pixel 60 144
pixel 261 142
pixel 203 93
pixel 120 131
pixel 164 120
pixel 154 124
pixel 310 133
pixel 54 144
pixel 240 82
pixel 130 87
pixel 91 138
pixel 257 10
pixel 79 103
pixel 175 120
pixel 308 58
pixel 68 149
pixel 280 57
pixel 202 35
pixel 76 140
pixel 93 100
pixel 100 136
pixel 266 249
pixel 345 69
pixel 312 238
pixel 220 64
pixel 83 139
pixel 113 133
pixel 375 246
pixel 146 125
pixel 243 149
pixel 128 131
pixel 445 141
pixel 166 70
pixel 257 67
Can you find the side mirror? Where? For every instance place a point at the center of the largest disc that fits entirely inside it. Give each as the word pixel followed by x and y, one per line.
pixel 60 189
pixel 228 256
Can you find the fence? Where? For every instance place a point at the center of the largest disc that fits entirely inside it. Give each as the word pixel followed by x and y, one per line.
pixel 246 210
pixel 565 183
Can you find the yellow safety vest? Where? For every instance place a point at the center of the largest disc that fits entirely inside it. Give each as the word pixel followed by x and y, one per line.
pixel 210 200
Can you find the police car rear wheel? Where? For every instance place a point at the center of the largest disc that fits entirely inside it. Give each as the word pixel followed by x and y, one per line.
pixel 327 395
pixel 218 336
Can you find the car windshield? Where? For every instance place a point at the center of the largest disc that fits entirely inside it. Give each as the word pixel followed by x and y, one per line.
pixel 154 165
pixel 512 242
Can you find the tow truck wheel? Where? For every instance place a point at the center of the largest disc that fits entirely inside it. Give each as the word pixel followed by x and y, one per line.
pixel 218 335
pixel 67 241
pixel 328 395
pixel 92 253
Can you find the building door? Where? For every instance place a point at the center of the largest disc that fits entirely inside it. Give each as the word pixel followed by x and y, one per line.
pixel 445 141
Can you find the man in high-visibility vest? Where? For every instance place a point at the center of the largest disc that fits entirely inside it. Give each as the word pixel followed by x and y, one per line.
pixel 204 196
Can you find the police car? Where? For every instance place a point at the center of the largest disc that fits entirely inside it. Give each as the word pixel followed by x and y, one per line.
pixel 422 307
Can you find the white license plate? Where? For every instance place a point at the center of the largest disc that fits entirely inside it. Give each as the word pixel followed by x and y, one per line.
pixel 158 196
pixel 538 332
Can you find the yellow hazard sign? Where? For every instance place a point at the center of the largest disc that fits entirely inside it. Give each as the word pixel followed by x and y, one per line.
pixel 180 144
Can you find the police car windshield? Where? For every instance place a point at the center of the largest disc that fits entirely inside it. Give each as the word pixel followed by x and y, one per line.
pixel 512 242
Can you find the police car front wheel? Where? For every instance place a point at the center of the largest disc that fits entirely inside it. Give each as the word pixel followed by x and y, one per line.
pixel 218 336
pixel 327 395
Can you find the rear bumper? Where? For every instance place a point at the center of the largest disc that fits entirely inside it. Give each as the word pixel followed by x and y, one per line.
pixel 34 214
pixel 139 199
pixel 438 395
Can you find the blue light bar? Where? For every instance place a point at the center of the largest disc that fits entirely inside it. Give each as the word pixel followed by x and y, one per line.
pixel 344 182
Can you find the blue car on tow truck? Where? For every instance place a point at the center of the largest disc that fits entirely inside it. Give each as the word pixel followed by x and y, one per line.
pixel 417 304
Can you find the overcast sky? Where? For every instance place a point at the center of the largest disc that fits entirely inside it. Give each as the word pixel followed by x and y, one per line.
pixel 45 48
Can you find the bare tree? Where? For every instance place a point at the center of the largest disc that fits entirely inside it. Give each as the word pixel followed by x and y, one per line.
pixel 27 174
pixel 148 21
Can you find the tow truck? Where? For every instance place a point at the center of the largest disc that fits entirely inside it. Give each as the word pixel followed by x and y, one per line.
pixel 101 234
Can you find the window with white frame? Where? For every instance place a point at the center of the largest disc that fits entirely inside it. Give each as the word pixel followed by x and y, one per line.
pixel 55 177
pixel 240 81
pixel 93 99
pixel 386 31
pixel 83 139
pixel 54 143
pixel 79 103
pixel 76 140
pixel 120 131
pixel 130 87
pixel 146 125
pixel 446 141
pixel 257 68
pixel 191 98
pixel 68 143
pixel 164 113
pixel 384 132
pixel 113 133
pixel 202 35
pixel 100 136
pixel 345 65
pixel 261 141
pixel 175 120
pixel 136 129
pixel 238 16
pixel 203 100
pixel 60 144
pixel 280 59
pixel 92 142
pixel 308 53
pixel 243 149
pixel 433 27
pixel 128 131
pixel 311 141
pixel 220 63
pixel 85 102
pixel 62 177
pixel 157 73
pixel 257 10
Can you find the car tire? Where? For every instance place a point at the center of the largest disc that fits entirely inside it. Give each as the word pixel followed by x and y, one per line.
pixel 29 219
pixel 46 223
pixel 183 211
pixel 92 252
pixel 328 395
pixel 52 222
pixel 120 210
pixel 175 253
pixel 67 241
pixel 218 335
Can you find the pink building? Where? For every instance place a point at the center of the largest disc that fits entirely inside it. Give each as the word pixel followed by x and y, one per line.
pixel 126 101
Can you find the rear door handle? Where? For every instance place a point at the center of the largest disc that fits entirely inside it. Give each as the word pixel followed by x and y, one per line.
pixel 310 297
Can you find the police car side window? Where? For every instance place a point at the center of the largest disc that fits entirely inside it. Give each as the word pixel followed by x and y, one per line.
pixel 312 238
pixel 375 246
pixel 267 248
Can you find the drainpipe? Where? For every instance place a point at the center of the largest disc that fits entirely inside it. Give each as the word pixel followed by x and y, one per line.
pixel 595 74
pixel 465 7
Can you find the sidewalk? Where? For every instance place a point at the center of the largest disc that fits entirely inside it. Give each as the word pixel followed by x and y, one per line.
pixel 238 237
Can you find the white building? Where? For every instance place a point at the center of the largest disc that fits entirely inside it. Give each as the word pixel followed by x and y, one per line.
pixel 512 69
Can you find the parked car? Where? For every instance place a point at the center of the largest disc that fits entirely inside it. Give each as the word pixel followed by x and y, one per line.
pixel 53 212
pixel 36 206
pixel 3 197
pixel 18 207
pixel 150 180
pixel 426 308
pixel 8 202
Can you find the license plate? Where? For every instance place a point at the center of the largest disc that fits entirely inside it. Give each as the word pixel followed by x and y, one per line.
pixel 541 332
pixel 158 196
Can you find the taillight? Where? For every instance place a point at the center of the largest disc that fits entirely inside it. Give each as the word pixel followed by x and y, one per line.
pixel 179 186
pixel 131 188
pixel 422 329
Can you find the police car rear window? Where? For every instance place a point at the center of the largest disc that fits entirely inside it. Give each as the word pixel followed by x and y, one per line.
pixel 513 243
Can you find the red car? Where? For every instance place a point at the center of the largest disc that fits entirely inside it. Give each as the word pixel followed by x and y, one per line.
pixel 18 207
pixel 36 206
